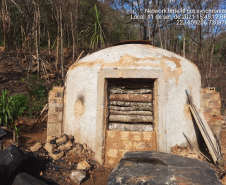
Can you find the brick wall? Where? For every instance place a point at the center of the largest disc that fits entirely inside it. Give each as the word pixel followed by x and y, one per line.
pixel 55 113
pixel 211 108
pixel 119 142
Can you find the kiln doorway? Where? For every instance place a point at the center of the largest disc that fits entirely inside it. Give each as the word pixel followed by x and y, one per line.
pixel 131 118
pixel 102 130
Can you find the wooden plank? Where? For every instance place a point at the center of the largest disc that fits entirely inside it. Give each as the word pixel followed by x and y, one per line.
pixel 205 137
pixel 131 97
pixel 135 108
pixel 129 104
pixel 131 127
pixel 130 118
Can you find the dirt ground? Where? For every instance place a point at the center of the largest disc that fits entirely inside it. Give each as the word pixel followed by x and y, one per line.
pixel 98 175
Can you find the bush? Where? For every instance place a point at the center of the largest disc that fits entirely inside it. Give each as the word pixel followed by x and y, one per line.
pixel 11 108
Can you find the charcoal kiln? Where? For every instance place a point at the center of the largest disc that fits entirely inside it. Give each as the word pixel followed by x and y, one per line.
pixel 128 97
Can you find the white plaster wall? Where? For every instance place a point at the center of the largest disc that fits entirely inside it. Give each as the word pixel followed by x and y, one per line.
pixel 82 79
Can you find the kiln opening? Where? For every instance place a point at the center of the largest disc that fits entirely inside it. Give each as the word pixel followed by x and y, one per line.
pixel 131 106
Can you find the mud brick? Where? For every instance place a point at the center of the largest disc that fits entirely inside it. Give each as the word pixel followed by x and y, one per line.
pixel 36 147
pixel 137 136
pixel 62 140
pixel 112 134
pixel 124 135
pixel 112 153
pixel 50 147
pixel 138 145
pixel 112 144
pixel 56 156
pixel 149 136
pixel 127 145
pixel 151 145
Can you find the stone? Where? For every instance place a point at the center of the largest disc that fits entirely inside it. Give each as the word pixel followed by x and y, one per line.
pixel 66 146
pixel 56 155
pixel 50 147
pixel 36 147
pixel 152 167
pixel 83 165
pixel 62 140
pixel 78 176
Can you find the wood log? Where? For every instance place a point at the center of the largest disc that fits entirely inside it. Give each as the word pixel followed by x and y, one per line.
pixel 131 127
pixel 115 112
pixel 129 104
pixel 135 108
pixel 130 118
pixel 131 97
pixel 130 91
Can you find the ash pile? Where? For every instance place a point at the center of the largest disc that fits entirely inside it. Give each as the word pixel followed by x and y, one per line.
pixel 59 160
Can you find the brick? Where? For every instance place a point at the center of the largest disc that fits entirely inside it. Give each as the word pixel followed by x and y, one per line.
pixel 56 156
pixel 111 144
pixel 151 145
pixel 137 136
pixel 138 145
pixel 111 134
pixel 149 136
pixel 128 145
pixel 36 147
pixel 124 135
pixel 112 153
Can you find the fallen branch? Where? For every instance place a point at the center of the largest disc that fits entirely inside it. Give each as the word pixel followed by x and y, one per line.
pixel 43 110
pixel 70 63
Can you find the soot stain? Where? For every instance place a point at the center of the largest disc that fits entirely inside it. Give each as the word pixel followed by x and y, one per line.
pixel 81 98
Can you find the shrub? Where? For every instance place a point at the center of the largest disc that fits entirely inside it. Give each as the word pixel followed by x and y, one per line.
pixel 11 108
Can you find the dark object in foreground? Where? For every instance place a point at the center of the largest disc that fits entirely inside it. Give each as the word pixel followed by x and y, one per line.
pixel 158 168
pixel 23 178
pixel 11 160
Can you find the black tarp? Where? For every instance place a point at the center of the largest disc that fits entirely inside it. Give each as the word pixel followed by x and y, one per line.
pixel 158 168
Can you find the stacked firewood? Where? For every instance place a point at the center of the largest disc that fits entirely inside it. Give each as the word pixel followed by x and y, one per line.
pixel 130 103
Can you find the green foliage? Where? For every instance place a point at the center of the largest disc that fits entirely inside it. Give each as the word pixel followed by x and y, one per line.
pixel 98 35
pixel 11 108
pixel 16 130
pixel 4 109
pixel 37 95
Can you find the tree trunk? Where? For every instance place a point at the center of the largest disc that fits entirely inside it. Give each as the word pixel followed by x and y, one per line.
pixel 62 44
pixel 36 45
pixel 49 46
pixel 73 38
pixel 115 112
